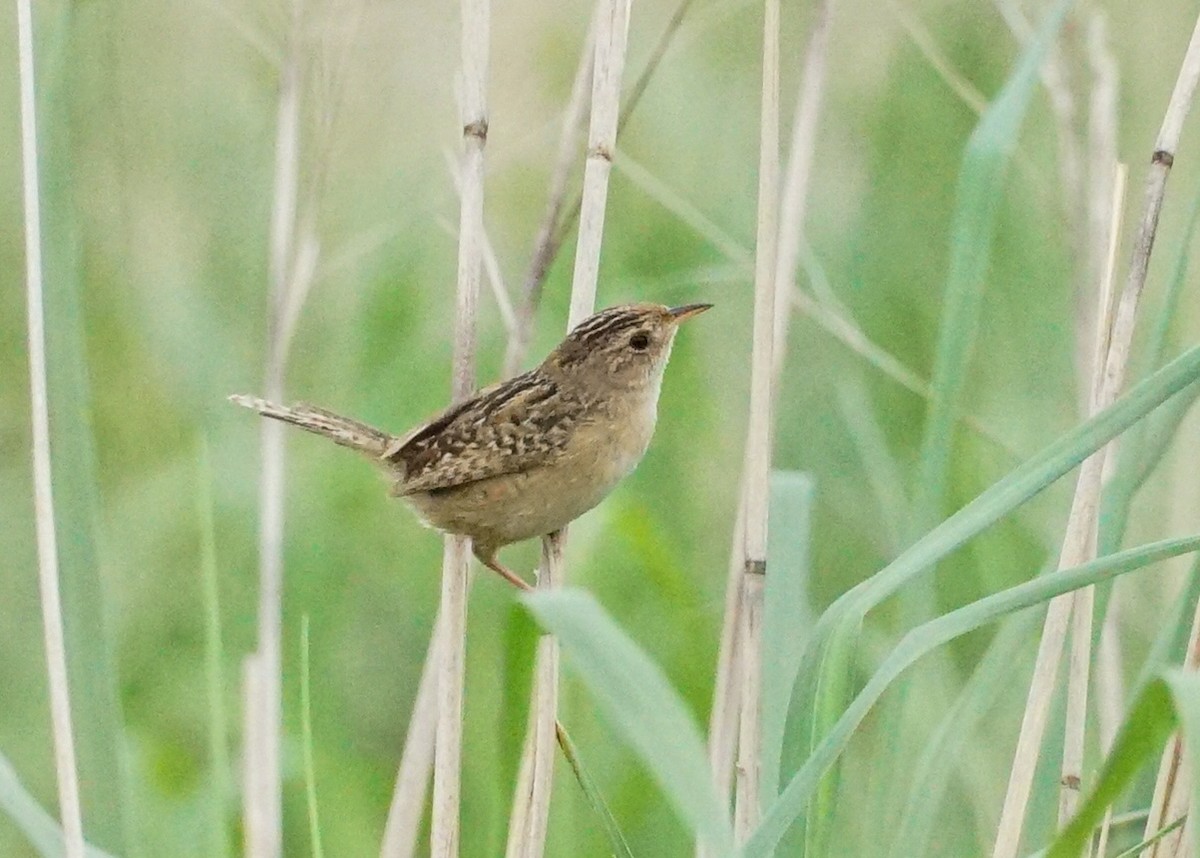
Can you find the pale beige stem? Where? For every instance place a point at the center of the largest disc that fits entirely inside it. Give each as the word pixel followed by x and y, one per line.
pixel 412 779
pixel 611 23
pixel 531 805
pixel 43 493
pixel 747 801
pixel 264 804
pixel 1083 601
pixel 447 760
pixel 1084 506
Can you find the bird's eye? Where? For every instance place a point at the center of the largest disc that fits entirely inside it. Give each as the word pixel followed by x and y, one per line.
pixel 639 342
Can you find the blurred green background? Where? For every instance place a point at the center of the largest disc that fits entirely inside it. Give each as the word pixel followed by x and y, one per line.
pixel 160 124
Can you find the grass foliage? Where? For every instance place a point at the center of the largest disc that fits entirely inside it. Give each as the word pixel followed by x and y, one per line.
pixel 903 601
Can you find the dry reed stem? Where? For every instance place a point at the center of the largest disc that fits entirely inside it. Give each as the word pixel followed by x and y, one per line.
pixel 263 805
pixel 447 774
pixel 758 437
pixel 548 251
pixel 416 760
pixel 723 717
pixel 530 818
pixel 43 488
pixel 725 725
pixel 1084 505
pixel 253 825
pixel 412 778
pixel 1101 154
pixel 611 24
pixel 1083 600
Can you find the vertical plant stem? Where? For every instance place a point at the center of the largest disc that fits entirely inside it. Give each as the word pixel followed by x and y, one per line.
pixel 264 805
pixel 531 806
pixel 1083 508
pixel 447 774
pixel 408 797
pixel 252 771
pixel 43 493
pixel 724 726
pixel 612 34
pixel 1083 601
pixel 758 436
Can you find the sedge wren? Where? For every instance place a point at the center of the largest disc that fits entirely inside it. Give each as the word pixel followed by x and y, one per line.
pixel 525 457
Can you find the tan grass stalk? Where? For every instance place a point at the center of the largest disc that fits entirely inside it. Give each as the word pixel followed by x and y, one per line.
pixel 451 632
pixel 611 24
pixel 408 796
pixel 530 819
pixel 253 826
pixel 1083 601
pixel 548 246
pixel 43 490
pixel 1084 505
pixel 725 726
pixel 263 806
pixel 1101 154
pixel 747 807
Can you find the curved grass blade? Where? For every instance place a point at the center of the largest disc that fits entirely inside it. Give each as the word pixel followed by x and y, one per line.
pixel 925 639
pixel 639 701
pixel 822 660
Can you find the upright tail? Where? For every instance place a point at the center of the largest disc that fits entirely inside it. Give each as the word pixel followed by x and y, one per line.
pixel 341 430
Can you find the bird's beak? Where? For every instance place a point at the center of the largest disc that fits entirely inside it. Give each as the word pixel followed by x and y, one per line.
pixel 679 314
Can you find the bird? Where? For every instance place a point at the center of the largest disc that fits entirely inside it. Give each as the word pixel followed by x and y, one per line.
pixel 524 457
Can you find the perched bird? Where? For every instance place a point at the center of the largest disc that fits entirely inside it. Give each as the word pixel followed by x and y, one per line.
pixel 525 457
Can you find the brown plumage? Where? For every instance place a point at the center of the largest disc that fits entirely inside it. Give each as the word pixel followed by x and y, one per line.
pixel 525 457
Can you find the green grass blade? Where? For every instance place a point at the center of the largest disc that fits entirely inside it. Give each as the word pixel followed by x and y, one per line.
pixel 926 638
pixel 978 198
pixel 97 721
pixel 214 663
pixel 1150 721
pixel 40 828
pixel 989 507
pixel 787 614
pixel 639 701
pixel 310 768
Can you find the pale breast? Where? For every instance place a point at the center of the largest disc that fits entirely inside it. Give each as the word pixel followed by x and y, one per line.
pixel 540 500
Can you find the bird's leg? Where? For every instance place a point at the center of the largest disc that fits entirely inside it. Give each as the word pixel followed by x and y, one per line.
pixel 488 559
